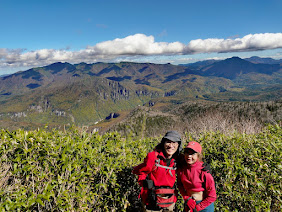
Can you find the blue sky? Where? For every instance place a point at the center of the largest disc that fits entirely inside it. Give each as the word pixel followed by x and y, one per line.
pixel 40 32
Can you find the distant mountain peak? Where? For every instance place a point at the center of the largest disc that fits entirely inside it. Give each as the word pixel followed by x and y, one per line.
pixel 235 57
pixel 233 67
pixel 59 66
pixel 265 60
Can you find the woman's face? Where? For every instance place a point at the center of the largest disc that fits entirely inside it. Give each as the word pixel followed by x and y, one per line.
pixel 191 156
pixel 170 148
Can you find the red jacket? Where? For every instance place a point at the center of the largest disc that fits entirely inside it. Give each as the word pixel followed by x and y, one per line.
pixel 193 178
pixel 160 176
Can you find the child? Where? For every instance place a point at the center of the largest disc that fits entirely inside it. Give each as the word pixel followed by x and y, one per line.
pixel 196 185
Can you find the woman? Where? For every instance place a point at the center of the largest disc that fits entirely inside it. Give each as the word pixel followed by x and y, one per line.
pixel 157 174
pixel 195 184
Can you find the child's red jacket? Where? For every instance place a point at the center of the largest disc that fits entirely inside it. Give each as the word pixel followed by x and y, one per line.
pixel 191 178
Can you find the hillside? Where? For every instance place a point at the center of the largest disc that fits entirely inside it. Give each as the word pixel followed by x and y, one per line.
pixel 197 117
pixel 234 67
pixel 63 94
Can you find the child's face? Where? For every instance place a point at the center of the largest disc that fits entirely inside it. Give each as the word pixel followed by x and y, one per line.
pixel 190 156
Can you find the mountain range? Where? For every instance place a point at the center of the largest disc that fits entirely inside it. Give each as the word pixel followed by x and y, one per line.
pixel 85 94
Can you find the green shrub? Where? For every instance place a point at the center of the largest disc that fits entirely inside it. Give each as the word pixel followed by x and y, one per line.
pixel 77 171
pixel 247 169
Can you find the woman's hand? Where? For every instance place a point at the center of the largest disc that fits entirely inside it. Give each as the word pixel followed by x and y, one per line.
pixel 190 204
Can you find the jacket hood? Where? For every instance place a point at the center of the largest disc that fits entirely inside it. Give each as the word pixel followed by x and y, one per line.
pixel 172 136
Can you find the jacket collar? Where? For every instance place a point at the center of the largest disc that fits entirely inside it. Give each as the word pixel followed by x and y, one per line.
pixel 196 164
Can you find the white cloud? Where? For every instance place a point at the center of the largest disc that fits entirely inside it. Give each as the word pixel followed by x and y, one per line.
pixel 138 45
pixel 251 42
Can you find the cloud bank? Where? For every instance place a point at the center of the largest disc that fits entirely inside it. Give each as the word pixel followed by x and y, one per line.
pixel 138 45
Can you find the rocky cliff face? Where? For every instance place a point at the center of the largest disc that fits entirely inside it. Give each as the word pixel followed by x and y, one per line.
pixel 83 94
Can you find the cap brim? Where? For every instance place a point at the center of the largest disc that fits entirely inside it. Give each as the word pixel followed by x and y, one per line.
pixel 190 148
pixel 171 138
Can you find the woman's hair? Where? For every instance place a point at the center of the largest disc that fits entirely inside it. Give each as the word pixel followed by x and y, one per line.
pixel 200 157
pixel 160 146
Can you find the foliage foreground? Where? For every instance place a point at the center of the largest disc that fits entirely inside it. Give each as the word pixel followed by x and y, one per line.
pixel 77 171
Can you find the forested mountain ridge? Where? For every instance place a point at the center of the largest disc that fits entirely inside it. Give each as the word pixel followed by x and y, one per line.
pixel 84 94
pixel 235 66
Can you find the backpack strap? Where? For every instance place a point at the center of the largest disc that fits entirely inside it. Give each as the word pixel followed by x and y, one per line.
pixel 206 169
pixel 157 164
pixel 204 178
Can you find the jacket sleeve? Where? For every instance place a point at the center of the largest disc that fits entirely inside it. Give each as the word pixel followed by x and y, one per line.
pixel 209 193
pixel 143 169
pixel 181 187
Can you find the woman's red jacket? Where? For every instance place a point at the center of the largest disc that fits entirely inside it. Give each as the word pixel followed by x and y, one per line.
pixel 161 177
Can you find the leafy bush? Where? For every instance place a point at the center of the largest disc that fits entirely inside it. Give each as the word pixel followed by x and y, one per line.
pixel 77 171
pixel 247 169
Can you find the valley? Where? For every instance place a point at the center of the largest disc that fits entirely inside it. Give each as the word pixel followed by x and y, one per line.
pixel 61 95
